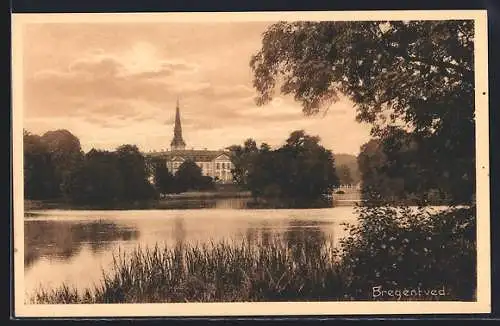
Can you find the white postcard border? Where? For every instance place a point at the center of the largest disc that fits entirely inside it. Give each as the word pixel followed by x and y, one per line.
pixel 483 304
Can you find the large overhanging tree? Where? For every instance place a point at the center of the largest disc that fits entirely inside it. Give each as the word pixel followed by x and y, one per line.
pixel 412 80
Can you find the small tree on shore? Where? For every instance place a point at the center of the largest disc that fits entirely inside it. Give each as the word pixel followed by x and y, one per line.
pixel 189 176
pixel 164 180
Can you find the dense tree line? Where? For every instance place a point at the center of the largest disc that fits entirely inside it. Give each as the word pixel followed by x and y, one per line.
pixel 48 162
pixel 56 168
pixel 189 176
pixel 107 177
pixel 300 170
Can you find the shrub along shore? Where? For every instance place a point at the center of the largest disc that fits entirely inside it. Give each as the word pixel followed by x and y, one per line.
pixel 431 256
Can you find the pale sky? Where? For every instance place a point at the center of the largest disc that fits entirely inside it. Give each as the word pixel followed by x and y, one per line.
pixel 117 83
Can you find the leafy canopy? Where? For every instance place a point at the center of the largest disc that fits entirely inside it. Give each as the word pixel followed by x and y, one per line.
pixel 403 67
pixel 190 176
pixel 301 170
pixel 409 78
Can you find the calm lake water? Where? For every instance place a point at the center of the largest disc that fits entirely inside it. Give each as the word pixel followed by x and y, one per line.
pixel 73 246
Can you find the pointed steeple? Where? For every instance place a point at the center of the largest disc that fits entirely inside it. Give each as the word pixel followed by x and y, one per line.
pixel 177 142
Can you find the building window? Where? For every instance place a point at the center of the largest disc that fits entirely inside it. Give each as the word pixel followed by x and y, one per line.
pixel 218 166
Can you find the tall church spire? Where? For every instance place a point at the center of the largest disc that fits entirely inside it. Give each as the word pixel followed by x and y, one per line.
pixel 177 142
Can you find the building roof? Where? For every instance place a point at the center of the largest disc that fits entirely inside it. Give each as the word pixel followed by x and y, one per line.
pixel 191 154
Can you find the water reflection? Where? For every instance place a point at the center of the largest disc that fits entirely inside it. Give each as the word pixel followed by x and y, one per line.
pixel 63 239
pixel 90 238
pixel 179 232
pixel 305 237
pixel 298 235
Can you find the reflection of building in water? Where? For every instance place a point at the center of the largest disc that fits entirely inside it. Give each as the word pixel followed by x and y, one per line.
pixel 213 163
pixel 62 240
pixel 179 232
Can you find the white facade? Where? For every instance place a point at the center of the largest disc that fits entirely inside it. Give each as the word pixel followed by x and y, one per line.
pixel 219 168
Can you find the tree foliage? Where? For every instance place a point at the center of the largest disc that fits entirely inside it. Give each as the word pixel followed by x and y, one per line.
pixel 97 181
pixel 132 166
pixel 163 179
pixel 48 161
pixel 393 175
pixel 411 76
pixel 55 167
pixel 65 151
pixel 301 169
pixel 110 177
pixel 242 158
pixel 409 248
pixel 189 176
pixel 39 172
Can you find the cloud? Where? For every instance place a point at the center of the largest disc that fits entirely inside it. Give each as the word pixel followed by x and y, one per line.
pixel 163 70
pixel 104 123
pixel 111 74
pixel 113 84
pixel 97 67
pixel 113 90
pixel 87 82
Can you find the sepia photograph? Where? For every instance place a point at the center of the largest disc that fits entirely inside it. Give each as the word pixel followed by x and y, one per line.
pixel 279 163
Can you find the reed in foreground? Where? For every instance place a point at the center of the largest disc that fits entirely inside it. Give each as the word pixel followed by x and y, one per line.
pixel 216 272
pixel 392 249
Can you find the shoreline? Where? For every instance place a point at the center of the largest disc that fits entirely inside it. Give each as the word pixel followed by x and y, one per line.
pixel 30 204
pixel 188 201
pixel 208 195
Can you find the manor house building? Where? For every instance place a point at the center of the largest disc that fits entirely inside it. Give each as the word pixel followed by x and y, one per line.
pixel 213 163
